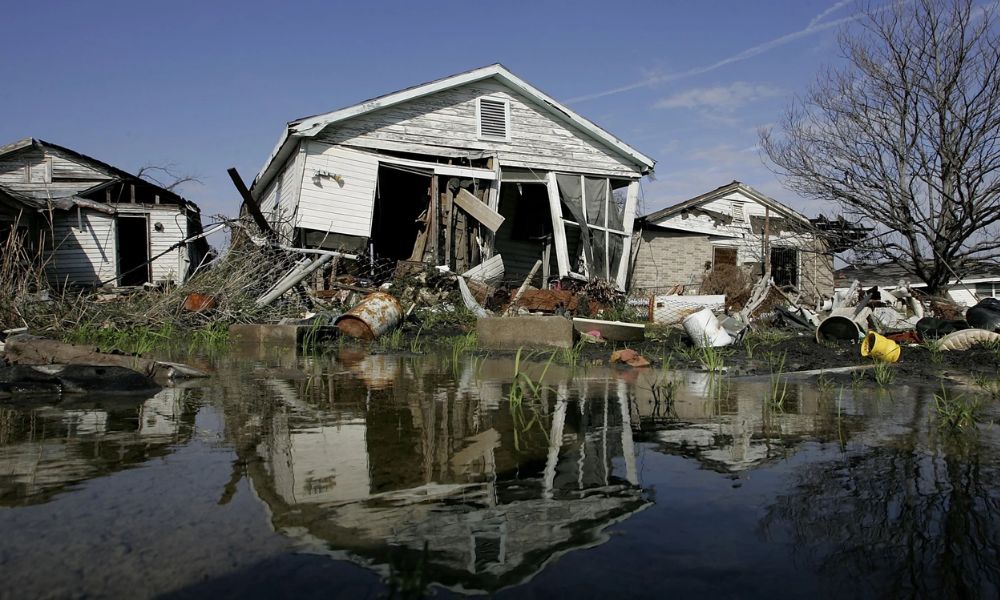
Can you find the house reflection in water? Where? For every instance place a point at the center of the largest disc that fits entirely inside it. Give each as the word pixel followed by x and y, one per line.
pixel 378 457
pixel 57 442
pixel 732 424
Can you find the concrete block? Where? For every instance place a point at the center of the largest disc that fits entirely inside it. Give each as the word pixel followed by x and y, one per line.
pixel 511 333
pixel 278 335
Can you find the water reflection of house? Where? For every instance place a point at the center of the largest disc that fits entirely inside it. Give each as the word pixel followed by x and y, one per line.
pixel 48 448
pixel 379 471
pixel 730 425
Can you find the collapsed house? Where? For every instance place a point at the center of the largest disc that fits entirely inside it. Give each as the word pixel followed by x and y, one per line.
pixel 980 282
pixel 479 168
pixel 94 224
pixel 731 225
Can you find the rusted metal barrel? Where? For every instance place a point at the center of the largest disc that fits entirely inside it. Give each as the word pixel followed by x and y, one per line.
pixel 376 314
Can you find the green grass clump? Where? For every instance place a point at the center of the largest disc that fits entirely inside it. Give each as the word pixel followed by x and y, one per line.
pixel 884 373
pixel 956 411
pixel 778 388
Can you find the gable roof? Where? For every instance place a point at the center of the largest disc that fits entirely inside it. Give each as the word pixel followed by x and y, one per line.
pixel 111 170
pixel 721 192
pixel 312 125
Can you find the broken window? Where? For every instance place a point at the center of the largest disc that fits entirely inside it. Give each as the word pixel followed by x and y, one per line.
pixel 597 219
pixel 785 266
pixel 724 256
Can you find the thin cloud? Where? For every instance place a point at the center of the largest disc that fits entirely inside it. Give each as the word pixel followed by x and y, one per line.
pixel 839 5
pixel 726 98
pixel 812 28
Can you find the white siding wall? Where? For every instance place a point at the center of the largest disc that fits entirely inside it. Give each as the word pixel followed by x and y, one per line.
pixel 325 205
pixel 448 119
pixel 84 255
pixel 280 199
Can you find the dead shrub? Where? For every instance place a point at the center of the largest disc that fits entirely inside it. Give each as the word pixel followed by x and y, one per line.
pixel 731 281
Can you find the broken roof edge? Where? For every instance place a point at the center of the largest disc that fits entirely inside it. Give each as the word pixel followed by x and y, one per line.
pixel 312 125
pixel 719 192
pixel 109 168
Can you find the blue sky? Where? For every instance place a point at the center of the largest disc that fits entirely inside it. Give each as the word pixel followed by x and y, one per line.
pixel 209 85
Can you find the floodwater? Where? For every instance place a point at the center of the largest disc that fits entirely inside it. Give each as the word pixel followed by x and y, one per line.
pixel 379 475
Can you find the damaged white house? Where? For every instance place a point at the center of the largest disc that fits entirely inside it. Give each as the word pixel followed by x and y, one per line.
pixel 93 223
pixel 736 225
pixel 457 171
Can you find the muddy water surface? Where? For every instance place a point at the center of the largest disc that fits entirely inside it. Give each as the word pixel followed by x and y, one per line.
pixel 374 475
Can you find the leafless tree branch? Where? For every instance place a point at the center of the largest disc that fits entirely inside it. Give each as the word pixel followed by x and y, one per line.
pixel 906 138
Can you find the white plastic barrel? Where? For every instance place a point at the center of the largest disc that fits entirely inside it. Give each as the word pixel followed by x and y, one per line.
pixel 705 329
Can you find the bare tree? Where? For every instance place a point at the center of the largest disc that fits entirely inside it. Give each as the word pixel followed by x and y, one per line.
pixel 165 176
pixel 906 137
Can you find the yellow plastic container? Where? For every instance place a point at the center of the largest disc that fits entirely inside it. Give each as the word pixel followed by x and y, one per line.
pixel 880 348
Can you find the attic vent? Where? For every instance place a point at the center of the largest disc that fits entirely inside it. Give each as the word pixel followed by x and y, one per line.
pixel 494 117
pixel 738 212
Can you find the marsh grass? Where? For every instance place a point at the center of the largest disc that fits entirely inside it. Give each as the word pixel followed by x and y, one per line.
pixel 416 345
pixel 778 385
pixel 523 385
pixel 841 434
pixel 392 340
pixel 934 350
pixel 824 384
pixel 990 385
pixel 525 388
pixel 884 373
pixel 141 339
pixel 710 358
pixel 956 411
pixel 571 356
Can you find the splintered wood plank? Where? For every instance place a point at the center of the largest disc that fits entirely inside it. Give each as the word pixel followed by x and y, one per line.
pixel 448 224
pixel 479 210
pixel 421 242
pixel 434 219
pixel 461 241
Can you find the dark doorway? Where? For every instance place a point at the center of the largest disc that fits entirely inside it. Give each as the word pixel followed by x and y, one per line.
pixel 400 200
pixel 133 250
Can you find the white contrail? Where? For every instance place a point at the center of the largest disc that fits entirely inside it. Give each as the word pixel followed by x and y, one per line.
pixel 811 28
pixel 827 12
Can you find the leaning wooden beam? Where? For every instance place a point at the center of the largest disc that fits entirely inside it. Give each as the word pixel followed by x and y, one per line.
pixel 479 210
pixel 524 287
pixel 251 204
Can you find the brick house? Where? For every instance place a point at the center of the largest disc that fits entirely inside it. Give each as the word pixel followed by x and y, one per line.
pixel 733 224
